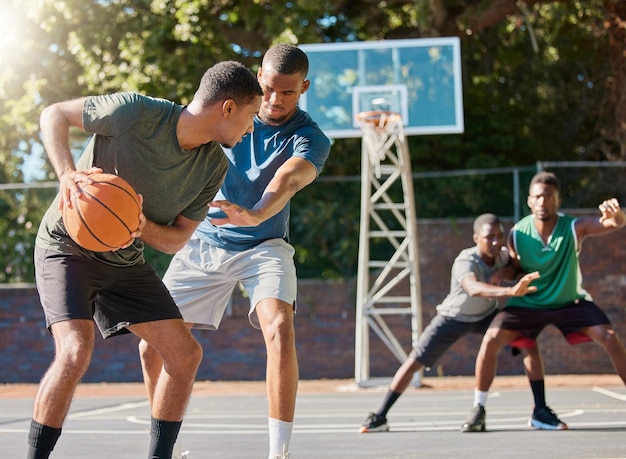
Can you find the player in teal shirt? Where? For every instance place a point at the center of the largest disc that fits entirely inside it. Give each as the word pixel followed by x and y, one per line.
pixel 549 242
pixel 171 155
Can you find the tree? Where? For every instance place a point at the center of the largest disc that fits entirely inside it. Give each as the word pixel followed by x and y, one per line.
pixel 542 80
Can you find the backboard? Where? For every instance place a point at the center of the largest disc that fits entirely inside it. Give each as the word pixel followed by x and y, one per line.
pixel 418 78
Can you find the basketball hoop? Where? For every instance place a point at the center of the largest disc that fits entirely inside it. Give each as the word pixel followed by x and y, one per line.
pixel 379 118
pixel 380 130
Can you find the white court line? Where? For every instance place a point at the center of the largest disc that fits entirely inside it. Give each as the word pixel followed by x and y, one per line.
pixel 609 393
pixel 497 424
pixel 511 422
pixel 83 431
pixel 111 409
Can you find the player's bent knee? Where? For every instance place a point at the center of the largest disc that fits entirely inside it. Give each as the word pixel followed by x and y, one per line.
pixel 150 358
pixel 188 358
pixel 144 348
pixel 609 339
pixel 74 361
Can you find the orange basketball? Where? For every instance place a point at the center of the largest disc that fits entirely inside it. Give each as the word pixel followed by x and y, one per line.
pixel 104 214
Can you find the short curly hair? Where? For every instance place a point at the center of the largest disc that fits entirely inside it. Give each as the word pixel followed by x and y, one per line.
pixel 228 80
pixel 485 219
pixel 287 59
pixel 546 178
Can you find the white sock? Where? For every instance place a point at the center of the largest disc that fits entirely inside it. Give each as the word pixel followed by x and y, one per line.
pixel 280 435
pixel 480 397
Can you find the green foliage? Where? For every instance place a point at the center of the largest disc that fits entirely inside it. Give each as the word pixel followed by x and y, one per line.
pixel 523 103
pixel 325 229
pixel 22 211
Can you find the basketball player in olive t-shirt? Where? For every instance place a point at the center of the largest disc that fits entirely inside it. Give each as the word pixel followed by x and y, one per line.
pixel 549 242
pixel 171 155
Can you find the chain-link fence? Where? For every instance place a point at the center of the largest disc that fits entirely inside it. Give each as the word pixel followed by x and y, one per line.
pixel 325 217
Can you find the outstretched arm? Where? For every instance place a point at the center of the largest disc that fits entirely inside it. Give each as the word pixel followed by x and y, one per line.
pixel 291 177
pixel 612 217
pixel 474 287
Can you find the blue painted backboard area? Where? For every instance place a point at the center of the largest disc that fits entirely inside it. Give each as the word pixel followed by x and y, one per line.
pixel 418 78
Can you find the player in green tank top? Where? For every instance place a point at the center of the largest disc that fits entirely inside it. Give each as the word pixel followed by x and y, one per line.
pixel 556 258
pixel 549 242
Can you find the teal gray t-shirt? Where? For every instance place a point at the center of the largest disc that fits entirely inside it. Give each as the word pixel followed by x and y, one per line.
pixel 135 138
pixel 252 164
pixel 459 305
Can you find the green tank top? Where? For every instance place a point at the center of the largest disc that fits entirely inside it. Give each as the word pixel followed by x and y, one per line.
pixel 560 283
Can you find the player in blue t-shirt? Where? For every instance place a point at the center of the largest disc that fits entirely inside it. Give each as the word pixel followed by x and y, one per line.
pixel 245 238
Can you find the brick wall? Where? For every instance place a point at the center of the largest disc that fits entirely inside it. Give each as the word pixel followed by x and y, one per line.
pixel 325 325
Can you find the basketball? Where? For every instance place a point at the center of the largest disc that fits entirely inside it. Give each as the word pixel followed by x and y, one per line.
pixel 104 214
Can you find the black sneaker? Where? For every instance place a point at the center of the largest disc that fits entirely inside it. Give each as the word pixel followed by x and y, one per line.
pixel 545 419
pixel 374 423
pixel 476 421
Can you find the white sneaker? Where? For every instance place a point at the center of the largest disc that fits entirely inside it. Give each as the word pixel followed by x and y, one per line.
pixel 283 455
pixel 178 453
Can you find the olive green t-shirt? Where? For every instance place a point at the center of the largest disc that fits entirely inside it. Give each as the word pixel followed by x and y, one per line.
pixel 459 304
pixel 135 138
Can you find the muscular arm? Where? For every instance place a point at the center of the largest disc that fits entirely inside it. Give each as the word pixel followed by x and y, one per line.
pixel 474 287
pixel 511 271
pixel 291 177
pixel 169 238
pixel 612 217
pixel 55 123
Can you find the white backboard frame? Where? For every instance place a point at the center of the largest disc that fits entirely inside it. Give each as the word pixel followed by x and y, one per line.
pixel 450 93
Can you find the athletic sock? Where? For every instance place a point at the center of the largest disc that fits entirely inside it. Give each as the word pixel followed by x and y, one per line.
pixel 163 435
pixel 539 393
pixel 388 401
pixel 41 440
pixel 480 397
pixel 280 435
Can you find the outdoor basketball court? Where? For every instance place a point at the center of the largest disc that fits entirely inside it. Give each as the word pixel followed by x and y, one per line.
pixel 419 81
pixel 230 422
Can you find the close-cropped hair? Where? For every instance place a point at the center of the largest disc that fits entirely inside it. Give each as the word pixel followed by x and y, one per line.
pixel 228 80
pixel 485 219
pixel 287 59
pixel 545 178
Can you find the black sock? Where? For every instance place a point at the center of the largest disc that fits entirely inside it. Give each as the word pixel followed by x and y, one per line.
pixel 41 440
pixel 539 393
pixel 388 401
pixel 163 435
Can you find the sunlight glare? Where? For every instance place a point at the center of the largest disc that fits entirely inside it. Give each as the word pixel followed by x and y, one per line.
pixel 12 27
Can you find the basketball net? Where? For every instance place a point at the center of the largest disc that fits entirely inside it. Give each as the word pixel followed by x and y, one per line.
pixel 380 130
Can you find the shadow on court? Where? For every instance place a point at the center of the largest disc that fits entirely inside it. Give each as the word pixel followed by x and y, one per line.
pixel 224 421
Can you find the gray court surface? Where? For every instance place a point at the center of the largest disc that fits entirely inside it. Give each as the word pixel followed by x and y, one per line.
pixel 425 423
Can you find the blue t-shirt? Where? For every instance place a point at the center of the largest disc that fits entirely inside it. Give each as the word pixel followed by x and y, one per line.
pixel 252 164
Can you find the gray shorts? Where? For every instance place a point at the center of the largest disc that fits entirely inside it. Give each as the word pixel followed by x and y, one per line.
pixel 201 279
pixel 74 287
pixel 441 333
